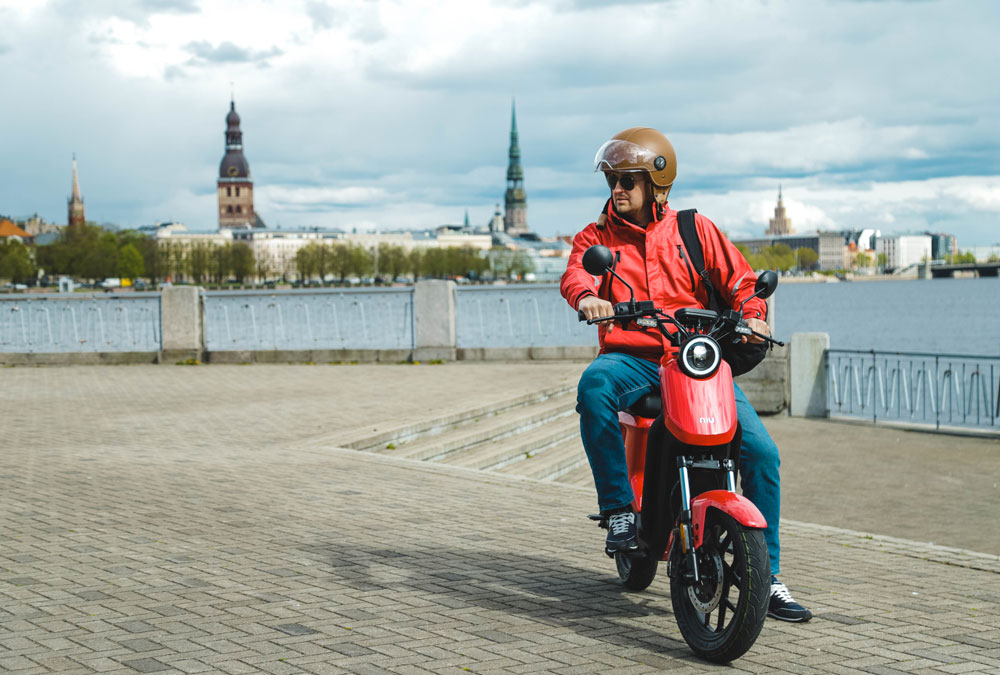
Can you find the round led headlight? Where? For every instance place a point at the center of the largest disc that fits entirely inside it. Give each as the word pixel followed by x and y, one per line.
pixel 700 356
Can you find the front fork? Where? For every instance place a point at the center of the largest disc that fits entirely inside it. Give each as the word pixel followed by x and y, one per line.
pixel 685 524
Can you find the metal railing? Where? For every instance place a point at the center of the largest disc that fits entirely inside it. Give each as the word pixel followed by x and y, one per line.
pixel 914 388
pixel 92 322
pixel 517 315
pixel 364 318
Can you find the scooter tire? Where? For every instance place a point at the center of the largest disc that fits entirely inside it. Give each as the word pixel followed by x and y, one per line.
pixel 636 572
pixel 741 555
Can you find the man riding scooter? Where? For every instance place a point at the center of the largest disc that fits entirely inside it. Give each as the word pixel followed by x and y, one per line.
pixel 642 231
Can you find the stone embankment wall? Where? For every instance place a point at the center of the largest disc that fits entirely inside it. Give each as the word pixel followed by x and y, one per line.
pixel 434 320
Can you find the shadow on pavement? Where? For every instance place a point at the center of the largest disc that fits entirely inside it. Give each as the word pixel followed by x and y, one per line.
pixel 542 589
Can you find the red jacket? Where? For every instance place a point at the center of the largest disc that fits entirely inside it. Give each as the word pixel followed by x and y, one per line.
pixel 655 263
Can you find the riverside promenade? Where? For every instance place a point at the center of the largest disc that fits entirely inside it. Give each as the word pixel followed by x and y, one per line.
pixel 287 519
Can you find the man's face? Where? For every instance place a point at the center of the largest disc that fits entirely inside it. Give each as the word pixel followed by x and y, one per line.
pixel 628 201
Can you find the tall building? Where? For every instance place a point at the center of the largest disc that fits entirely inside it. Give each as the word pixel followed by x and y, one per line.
pixel 235 186
pixel 75 214
pixel 780 224
pixel 516 201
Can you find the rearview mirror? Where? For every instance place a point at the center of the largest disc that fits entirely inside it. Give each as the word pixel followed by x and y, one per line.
pixel 767 282
pixel 597 260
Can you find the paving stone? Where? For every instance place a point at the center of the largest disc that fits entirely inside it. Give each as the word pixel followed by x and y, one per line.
pixel 146 665
pixel 192 530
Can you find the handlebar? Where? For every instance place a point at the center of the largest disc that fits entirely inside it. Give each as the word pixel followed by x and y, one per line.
pixel 626 312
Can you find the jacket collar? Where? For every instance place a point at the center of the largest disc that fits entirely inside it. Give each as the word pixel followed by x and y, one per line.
pixel 609 215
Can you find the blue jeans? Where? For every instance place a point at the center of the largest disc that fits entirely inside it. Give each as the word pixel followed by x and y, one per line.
pixel 615 381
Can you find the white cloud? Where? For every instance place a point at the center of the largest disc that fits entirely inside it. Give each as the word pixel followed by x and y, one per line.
pixel 806 148
pixel 394 112
pixel 311 199
pixel 894 206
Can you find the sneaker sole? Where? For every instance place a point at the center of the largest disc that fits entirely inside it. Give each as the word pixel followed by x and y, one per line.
pixel 627 547
pixel 788 620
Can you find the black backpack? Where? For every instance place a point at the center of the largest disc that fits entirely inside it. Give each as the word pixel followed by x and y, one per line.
pixel 742 358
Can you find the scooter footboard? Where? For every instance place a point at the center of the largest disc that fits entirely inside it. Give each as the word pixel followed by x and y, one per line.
pixel 737 506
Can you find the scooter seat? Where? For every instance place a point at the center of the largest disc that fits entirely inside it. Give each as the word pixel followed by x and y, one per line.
pixel 649 406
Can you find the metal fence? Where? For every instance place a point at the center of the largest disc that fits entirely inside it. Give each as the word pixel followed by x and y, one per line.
pixel 92 322
pixel 370 318
pixel 517 315
pixel 939 390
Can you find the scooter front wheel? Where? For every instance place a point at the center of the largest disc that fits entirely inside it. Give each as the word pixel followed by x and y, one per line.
pixel 721 615
pixel 636 571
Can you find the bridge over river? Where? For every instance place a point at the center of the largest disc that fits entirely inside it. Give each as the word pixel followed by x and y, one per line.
pixel 979 269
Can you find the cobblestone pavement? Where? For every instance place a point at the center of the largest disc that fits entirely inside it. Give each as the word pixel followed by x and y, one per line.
pixel 169 519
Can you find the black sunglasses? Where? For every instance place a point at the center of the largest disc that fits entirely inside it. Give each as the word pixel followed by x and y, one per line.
pixel 627 180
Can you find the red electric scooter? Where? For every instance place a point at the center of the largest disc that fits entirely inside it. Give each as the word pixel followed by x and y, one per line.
pixel 682 446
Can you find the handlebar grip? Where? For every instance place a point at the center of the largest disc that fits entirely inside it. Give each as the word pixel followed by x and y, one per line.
pixel 580 316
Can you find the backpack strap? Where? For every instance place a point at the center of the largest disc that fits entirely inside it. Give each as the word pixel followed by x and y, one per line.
pixel 692 242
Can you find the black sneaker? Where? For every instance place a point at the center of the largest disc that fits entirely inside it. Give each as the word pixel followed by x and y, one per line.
pixel 782 607
pixel 622 535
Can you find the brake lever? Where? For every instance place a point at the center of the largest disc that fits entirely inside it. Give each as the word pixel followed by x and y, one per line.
pixel 767 338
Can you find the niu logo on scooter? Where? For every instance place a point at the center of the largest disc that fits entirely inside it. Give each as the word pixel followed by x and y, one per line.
pixel 706 420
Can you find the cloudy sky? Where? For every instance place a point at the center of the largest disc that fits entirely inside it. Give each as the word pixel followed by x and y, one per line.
pixel 396 113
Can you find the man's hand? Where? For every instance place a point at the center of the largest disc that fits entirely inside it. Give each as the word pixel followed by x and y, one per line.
pixel 594 307
pixel 758 326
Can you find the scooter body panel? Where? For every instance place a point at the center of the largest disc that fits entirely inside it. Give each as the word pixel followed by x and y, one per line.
pixel 634 432
pixel 737 506
pixel 698 412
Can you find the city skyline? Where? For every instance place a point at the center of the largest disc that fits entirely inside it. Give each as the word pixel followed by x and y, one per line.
pixel 391 115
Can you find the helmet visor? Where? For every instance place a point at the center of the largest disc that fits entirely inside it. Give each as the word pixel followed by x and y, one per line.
pixel 617 155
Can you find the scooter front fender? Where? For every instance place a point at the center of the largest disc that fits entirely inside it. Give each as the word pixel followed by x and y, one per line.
pixel 737 506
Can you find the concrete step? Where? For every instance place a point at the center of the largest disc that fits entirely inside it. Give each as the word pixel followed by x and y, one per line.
pixel 494 454
pixel 580 475
pixel 488 428
pixel 551 463
pixel 406 434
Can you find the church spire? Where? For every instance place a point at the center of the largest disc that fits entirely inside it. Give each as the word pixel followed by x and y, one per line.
pixel 235 187
pixel 516 201
pixel 75 202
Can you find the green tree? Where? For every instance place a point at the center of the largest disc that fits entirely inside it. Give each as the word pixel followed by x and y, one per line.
pixel 882 260
pixel 361 260
pixel 807 258
pixel 305 261
pixel 101 261
pixel 15 262
pixel 506 264
pixel 130 263
pixel 198 260
pixel 242 261
pixel 219 263
pixel 392 261
pixel 154 258
pixel 469 262
pixel 263 268
pixel 435 263
pixel 323 260
pixel 415 260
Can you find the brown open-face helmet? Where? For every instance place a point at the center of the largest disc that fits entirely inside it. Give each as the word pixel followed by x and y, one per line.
pixel 641 149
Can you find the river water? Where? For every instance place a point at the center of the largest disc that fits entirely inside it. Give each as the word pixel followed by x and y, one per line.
pixel 942 316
